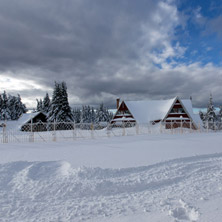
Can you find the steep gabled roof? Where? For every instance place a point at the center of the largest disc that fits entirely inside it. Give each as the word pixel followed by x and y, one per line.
pixel 146 111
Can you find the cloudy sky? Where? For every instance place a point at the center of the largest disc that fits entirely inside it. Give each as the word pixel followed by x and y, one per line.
pixel 104 49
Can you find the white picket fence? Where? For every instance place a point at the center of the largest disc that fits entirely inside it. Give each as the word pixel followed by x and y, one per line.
pixel 45 132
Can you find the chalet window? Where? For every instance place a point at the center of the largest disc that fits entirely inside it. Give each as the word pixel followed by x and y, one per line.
pixel 174 110
pixel 181 110
pixel 122 112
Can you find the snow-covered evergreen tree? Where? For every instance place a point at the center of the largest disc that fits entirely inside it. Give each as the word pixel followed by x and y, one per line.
pixel 210 116
pixel 1 103
pixel 60 110
pixel 39 107
pixel 219 117
pixel 77 115
pixel 102 114
pixel 11 106
pixel 46 103
pixel 202 115
pixel 86 114
pixel 93 115
pixel 5 112
pixel 20 107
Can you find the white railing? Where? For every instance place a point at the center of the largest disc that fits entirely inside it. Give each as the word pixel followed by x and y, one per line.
pixel 59 131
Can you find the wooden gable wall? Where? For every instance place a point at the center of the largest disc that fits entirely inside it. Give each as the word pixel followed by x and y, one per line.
pixel 123 112
pixel 178 117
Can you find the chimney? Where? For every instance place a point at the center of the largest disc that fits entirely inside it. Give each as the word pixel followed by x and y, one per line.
pixel 117 103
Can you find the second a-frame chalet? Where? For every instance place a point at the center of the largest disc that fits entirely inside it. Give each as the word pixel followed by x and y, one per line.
pixel 173 112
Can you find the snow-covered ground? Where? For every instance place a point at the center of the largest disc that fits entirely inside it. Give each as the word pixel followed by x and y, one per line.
pixel 165 177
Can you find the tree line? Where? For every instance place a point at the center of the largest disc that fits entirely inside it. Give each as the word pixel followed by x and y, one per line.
pixel 11 107
pixel 58 108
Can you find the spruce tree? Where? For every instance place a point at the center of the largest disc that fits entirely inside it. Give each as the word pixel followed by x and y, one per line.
pixel 102 114
pixel 1 104
pixel 46 103
pixel 20 107
pixel 5 112
pixel 202 115
pixel 39 107
pixel 86 114
pixel 210 116
pixel 11 107
pixel 77 115
pixel 93 115
pixel 219 118
pixel 60 110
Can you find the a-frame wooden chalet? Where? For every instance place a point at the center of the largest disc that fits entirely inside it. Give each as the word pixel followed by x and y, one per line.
pixel 173 112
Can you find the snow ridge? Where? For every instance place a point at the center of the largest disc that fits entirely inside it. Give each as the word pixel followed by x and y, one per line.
pixel 54 191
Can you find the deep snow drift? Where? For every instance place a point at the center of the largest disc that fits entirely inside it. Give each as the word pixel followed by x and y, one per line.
pixel 160 178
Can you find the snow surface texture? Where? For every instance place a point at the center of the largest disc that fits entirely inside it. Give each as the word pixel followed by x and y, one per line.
pixel 54 191
pixel 182 189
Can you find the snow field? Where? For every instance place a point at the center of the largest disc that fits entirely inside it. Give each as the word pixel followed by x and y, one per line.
pixel 122 179
pixel 54 191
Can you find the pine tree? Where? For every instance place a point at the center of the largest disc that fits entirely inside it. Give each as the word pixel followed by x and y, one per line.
pixel 46 103
pixel 202 115
pixel 93 115
pixel 55 104
pixel 77 115
pixel 11 107
pixel 60 110
pixel 20 108
pixel 210 117
pixel 1 104
pixel 102 114
pixel 220 114
pixel 86 114
pixel 5 112
pixel 219 118
pixel 39 107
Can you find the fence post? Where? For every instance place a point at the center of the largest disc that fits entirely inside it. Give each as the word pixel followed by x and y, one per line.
pixel 31 136
pixel 137 128
pixel 181 125
pixel 207 126
pixel 54 131
pixel 108 130
pixel 74 131
pixel 92 132
pixel 124 131
pixel 190 126
pixel 5 136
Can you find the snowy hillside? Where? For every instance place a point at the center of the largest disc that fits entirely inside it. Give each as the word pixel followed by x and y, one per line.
pixel 121 179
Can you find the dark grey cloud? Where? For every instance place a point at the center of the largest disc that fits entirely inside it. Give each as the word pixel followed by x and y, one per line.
pixel 102 49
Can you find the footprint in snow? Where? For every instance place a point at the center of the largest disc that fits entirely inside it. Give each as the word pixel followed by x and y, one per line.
pixel 184 213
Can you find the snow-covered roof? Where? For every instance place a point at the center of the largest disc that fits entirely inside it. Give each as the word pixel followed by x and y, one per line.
pixel 146 111
pixel 17 124
pixel 189 108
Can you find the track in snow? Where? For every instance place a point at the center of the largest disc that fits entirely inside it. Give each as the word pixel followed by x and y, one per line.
pixel 54 191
